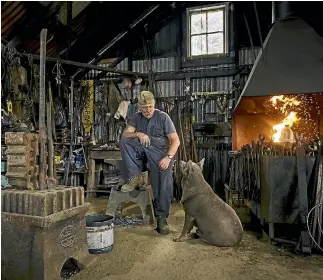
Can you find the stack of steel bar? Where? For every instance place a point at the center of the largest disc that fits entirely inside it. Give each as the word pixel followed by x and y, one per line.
pixel 244 165
pixel 248 172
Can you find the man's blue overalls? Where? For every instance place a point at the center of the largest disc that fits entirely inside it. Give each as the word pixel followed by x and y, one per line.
pixel 135 156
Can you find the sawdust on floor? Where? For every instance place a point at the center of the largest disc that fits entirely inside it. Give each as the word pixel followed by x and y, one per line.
pixel 140 254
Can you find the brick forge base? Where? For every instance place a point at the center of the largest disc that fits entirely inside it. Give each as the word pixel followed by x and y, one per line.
pixel 37 243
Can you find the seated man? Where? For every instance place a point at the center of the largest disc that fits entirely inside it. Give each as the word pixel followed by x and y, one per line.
pixel 151 138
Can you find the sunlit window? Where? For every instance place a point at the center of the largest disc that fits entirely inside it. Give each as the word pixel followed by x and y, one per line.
pixel 207 30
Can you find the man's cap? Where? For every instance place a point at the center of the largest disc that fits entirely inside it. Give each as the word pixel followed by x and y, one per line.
pixel 146 98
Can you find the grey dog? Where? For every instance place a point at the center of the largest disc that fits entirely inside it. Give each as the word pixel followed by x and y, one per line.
pixel 217 223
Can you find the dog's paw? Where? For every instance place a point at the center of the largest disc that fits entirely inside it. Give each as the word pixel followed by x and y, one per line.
pixel 178 239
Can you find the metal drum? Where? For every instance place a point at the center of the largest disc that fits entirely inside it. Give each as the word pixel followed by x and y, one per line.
pixel 100 233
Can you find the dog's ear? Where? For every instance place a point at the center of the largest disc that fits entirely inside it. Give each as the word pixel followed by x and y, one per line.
pixel 182 165
pixel 201 164
pixel 190 166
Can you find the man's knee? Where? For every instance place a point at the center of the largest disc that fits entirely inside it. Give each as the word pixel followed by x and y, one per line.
pixel 126 142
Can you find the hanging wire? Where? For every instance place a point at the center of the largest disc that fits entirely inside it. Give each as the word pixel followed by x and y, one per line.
pixel 318 207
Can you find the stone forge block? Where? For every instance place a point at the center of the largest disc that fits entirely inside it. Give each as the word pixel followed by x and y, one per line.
pixel 18 138
pixel 41 203
pixel 37 243
pixel 22 154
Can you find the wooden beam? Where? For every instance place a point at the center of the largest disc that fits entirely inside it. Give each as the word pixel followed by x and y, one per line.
pixel 197 75
pixel 32 26
pixel 206 61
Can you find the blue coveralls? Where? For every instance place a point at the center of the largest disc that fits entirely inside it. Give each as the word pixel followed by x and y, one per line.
pixel 135 156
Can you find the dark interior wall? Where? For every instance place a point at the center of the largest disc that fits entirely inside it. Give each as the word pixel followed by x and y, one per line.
pixel 171 40
pixel 165 42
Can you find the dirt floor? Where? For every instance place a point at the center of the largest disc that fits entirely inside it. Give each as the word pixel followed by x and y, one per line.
pixel 140 253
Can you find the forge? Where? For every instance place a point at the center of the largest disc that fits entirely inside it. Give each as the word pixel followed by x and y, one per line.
pixel 276 127
pixel 287 70
pixel 41 229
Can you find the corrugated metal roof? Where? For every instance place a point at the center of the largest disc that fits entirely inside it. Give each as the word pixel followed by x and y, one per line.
pixel 12 13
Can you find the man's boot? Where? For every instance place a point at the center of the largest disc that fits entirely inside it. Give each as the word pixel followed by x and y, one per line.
pixel 162 227
pixel 136 182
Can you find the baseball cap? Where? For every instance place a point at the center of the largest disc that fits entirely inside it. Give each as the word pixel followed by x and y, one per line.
pixel 146 98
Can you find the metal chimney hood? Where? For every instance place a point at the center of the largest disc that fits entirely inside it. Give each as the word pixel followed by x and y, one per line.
pixel 291 62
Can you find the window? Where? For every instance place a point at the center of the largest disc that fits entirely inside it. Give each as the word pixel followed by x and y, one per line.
pixel 207 30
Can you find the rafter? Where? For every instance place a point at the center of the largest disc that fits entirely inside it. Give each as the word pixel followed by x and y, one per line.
pixel 31 26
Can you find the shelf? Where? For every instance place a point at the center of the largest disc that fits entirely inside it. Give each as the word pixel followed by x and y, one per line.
pixel 56 143
pixel 73 171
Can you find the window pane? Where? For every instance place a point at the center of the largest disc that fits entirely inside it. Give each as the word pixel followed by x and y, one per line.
pixel 198 45
pixel 215 43
pixel 215 21
pixel 198 23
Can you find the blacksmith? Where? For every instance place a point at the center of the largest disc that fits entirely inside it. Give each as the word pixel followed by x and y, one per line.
pixel 150 138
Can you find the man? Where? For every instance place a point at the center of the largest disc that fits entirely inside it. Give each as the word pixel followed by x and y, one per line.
pixel 150 138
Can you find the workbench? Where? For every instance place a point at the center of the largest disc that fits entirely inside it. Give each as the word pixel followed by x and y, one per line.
pixel 108 156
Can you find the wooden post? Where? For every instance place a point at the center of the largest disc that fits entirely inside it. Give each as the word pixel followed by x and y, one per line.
pixel 91 177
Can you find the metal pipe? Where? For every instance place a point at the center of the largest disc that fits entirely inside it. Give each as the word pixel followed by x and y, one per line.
pixel 42 106
pixel 280 10
pixel 273 12
pixel 85 65
pixel 50 142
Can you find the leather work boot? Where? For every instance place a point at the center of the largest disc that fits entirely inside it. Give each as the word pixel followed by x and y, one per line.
pixel 136 182
pixel 162 226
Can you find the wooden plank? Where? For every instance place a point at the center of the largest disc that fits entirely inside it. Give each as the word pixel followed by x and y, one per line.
pixel 91 178
pixel 105 155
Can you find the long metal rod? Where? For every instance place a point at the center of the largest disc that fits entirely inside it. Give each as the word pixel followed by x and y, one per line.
pixel 258 25
pixel 42 107
pixel 50 142
pixel 85 65
pixel 67 169
pixel 50 95
pixel 250 37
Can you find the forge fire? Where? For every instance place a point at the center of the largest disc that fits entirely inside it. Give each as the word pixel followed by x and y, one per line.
pixel 283 131
pixel 294 111
pixel 278 118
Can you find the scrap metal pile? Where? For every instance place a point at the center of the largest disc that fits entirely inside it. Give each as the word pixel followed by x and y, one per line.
pixel 285 178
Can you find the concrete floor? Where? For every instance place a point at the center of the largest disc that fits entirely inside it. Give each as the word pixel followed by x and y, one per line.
pixel 140 254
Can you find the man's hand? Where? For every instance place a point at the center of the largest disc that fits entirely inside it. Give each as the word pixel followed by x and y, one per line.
pixel 164 163
pixel 143 138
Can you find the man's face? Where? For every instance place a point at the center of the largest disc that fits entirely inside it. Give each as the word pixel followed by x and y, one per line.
pixel 148 111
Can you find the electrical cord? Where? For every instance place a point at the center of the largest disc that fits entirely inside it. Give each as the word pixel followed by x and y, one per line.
pixel 308 227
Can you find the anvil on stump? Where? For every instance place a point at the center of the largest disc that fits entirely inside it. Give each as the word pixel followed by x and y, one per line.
pixel 41 230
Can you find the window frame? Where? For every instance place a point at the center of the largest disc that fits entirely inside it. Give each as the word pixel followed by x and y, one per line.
pixel 208 8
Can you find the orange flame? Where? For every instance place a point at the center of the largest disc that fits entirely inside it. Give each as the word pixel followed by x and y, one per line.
pixel 282 103
pixel 289 120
